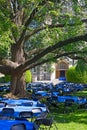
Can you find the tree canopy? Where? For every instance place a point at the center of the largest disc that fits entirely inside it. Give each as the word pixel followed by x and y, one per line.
pixel 33 32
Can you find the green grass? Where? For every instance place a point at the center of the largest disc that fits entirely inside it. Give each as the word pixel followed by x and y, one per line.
pixel 81 93
pixel 76 120
pixel 70 121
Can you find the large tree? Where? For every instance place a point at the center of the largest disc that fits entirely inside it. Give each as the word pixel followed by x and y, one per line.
pixel 33 32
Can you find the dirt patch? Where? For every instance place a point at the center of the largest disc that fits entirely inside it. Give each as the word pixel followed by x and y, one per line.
pixel 10 95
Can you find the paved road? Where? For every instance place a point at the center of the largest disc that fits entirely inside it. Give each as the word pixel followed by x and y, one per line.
pixel 55 81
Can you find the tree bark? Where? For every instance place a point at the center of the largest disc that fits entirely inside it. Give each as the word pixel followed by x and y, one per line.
pixel 18 85
pixel 17 77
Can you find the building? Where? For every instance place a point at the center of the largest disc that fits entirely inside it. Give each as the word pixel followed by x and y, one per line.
pixel 51 72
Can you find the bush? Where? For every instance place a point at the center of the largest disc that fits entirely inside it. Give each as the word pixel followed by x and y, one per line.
pixel 28 76
pixel 2 79
pixel 84 77
pixel 5 79
pixel 75 76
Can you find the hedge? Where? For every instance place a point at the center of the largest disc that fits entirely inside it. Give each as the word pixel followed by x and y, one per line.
pixel 75 76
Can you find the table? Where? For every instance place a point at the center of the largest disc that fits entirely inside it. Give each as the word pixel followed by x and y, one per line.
pixel 19 109
pixel 19 105
pixel 19 101
pixel 6 124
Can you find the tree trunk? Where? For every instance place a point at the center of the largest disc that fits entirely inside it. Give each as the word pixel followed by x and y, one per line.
pixel 18 85
pixel 17 78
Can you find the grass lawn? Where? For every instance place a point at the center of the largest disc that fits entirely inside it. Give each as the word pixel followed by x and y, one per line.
pixel 76 120
pixel 71 121
pixel 83 93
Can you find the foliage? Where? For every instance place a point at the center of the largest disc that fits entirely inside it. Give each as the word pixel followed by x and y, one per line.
pixel 81 68
pixel 28 76
pixel 5 42
pixel 75 76
pixel 51 12
pixel 6 78
pixel 72 75
pixel 2 79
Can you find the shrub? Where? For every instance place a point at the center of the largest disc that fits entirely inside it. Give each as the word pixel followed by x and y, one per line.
pixel 28 76
pixel 2 79
pixel 84 77
pixel 74 76
pixel 7 78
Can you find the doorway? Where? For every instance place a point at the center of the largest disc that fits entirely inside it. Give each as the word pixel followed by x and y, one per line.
pixel 61 69
pixel 62 73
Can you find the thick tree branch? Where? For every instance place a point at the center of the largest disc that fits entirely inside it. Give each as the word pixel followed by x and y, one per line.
pixel 40 29
pixel 7 66
pixel 84 20
pixel 52 48
pixel 8 63
pixel 5 70
pixel 33 52
pixel 68 54
pixel 79 58
pixel 52 26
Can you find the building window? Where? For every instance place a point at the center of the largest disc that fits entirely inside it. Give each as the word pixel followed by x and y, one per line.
pixel 62 66
pixel 34 70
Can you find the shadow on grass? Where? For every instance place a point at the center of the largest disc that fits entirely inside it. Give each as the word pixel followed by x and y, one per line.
pixel 79 116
